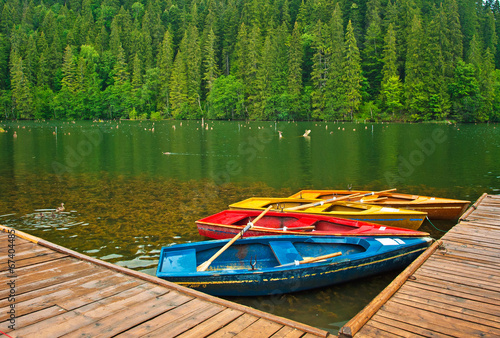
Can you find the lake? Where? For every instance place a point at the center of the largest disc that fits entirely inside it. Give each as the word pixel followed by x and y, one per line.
pixel 131 187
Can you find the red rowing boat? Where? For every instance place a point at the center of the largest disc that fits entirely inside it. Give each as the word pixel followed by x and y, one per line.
pixel 228 223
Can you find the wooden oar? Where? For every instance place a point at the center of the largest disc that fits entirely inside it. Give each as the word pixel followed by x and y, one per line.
pixel 335 199
pixel 315 204
pixel 205 265
pixel 368 201
pixel 314 259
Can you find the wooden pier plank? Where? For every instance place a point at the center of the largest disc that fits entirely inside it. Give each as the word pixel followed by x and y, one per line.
pixel 63 293
pixel 234 327
pixel 185 323
pixel 218 321
pixel 470 311
pixel 168 318
pixel 131 316
pixel 32 318
pixel 455 292
pixel 71 320
pixel 28 261
pixel 287 332
pixel 261 326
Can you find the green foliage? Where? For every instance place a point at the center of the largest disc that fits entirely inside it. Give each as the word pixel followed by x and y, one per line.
pixel 256 59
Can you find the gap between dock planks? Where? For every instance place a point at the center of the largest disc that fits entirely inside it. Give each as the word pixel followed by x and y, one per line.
pixel 60 292
pixel 455 292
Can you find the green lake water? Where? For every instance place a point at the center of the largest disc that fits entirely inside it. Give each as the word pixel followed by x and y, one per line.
pixel 132 187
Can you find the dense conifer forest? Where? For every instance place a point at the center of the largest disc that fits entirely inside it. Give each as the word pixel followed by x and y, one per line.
pixel 397 60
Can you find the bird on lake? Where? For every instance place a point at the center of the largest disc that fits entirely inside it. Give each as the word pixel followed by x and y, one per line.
pixel 281 133
pixel 307 132
pixel 61 208
pixel 167 153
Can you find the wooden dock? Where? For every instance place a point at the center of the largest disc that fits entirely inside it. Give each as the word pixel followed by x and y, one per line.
pixel 50 291
pixel 452 290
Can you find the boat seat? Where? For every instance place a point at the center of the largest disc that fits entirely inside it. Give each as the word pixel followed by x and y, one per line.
pixel 231 219
pixel 303 222
pixel 285 252
pixel 179 261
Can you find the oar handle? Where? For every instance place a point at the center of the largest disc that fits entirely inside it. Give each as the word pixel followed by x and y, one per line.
pixel 205 265
pixel 315 259
pixel 378 192
pixel 315 204
pixel 335 199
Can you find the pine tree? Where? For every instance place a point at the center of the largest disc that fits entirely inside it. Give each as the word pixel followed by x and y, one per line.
pixel 114 39
pixel 455 37
pixel 372 60
pixel 31 59
pixel 43 74
pixel 69 80
pixel 241 69
pixel 178 88
pixel 434 70
pixel 391 87
pixel 260 92
pixel 22 99
pixel 253 64
pixel 416 97
pixel 137 76
pixel 4 63
pixel 211 71
pixel 165 61
pixel 320 69
pixel 295 55
pixel 335 99
pixel 352 73
pixel 192 55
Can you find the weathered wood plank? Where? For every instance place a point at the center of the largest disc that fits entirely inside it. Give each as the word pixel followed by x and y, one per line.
pixel 63 293
pixel 213 324
pixel 261 327
pixel 131 316
pixel 288 332
pixel 234 327
pixel 32 318
pixel 446 304
pixel 53 288
pixel 370 331
pixel 472 282
pixel 98 290
pixel 462 267
pixel 36 259
pixel 69 321
pixel 184 323
pixel 429 320
pixel 407 330
pixel 180 312
pixel 454 288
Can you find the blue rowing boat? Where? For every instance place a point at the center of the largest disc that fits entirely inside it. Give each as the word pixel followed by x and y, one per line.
pixel 268 265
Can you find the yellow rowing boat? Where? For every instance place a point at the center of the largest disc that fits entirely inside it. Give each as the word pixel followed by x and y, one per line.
pixel 435 207
pixel 394 217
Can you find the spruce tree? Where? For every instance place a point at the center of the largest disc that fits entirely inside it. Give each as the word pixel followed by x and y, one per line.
pixel 352 74
pixel 165 62
pixel 391 87
pixel 335 99
pixel 295 57
pixel 372 53
pixel 22 99
pixel 178 88
pixel 211 71
pixel 415 93
pixel 320 69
